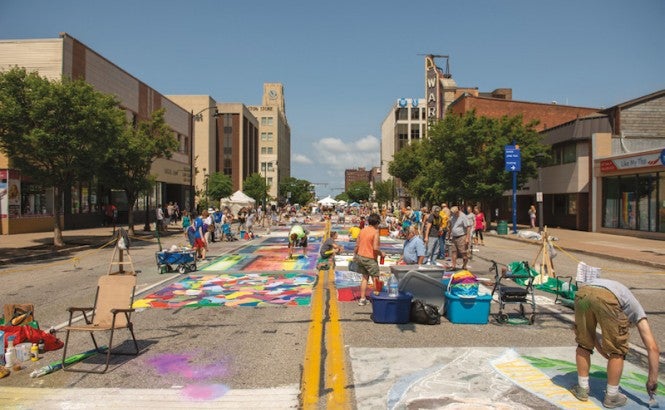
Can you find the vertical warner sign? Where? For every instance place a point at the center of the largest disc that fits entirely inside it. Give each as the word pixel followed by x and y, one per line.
pixel 432 91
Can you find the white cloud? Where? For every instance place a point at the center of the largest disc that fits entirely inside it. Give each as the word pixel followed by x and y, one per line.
pixel 301 159
pixel 341 155
pixel 324 161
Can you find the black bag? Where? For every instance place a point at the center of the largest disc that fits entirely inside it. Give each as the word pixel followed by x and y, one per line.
pixel 424 313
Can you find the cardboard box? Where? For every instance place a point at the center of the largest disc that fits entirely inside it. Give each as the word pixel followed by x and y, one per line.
pixel 468 310
pixel 386 309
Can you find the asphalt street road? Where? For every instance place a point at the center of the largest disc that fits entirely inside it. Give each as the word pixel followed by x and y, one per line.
pixel 265 346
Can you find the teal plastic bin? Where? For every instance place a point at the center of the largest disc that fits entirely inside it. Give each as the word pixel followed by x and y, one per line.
pixel 502 228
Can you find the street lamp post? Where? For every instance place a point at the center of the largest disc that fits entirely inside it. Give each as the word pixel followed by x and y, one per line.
pixel 540 158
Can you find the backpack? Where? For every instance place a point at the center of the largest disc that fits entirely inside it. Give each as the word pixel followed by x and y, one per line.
pixel 424 313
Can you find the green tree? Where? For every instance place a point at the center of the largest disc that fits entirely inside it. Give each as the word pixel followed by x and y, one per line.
pixel 219 186
pixel 57 132
pixel 130 160
pixel 255 187
pixel 359 191
pixel 299 189
pixel 384 191
pixel 463 159
pixel 342 197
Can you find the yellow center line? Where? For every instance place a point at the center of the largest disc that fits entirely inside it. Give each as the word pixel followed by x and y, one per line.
pixel 335 359
pixel 311 376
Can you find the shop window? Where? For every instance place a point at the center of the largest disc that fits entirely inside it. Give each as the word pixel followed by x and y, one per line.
pixel 33 200
pixel 611 202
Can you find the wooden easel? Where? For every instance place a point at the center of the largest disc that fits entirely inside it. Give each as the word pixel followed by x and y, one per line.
pixel 545 268
pixel 120 261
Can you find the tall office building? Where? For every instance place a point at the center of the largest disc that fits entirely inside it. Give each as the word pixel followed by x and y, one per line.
pixel 275 137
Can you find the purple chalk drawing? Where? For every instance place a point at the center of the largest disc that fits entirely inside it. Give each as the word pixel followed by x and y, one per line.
pixel 180 364
pixel 205 391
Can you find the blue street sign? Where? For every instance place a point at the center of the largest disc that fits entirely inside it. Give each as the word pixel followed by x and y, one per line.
pixel 513 158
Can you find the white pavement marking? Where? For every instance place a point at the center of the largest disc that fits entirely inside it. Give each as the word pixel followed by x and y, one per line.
pixel 116 398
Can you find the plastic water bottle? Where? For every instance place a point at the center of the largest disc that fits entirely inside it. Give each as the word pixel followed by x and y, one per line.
pixel 10 353
pixel 393 290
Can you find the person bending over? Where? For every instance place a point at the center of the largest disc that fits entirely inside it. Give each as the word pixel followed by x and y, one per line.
pixel 611 305
pixel 297 237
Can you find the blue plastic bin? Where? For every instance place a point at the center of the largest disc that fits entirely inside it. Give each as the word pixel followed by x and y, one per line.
pixel 468 310
pixel 386 309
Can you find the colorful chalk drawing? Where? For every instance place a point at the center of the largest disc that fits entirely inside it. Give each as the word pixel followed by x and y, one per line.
pixel 183 366
pixel 227 262
pixel 235 289
pixel 482 377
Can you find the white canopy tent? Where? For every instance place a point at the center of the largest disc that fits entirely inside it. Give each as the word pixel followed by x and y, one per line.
pixel 327 201
pixel 236 201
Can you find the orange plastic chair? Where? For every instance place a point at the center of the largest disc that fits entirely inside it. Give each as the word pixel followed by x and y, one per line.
pixel 111 311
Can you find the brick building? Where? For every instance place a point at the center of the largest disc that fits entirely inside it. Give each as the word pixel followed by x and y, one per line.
pixel 353 175
pixel 548 115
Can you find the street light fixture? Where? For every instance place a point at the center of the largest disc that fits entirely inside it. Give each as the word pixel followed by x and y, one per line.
pixel 199 115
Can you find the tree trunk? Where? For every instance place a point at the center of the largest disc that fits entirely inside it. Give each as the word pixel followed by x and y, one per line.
pixel 131 201
pixel 58 240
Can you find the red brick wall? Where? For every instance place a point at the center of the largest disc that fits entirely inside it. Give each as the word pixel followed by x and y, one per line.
pixel 549 115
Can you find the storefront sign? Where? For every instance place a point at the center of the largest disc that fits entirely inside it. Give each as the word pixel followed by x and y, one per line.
pixel 639 161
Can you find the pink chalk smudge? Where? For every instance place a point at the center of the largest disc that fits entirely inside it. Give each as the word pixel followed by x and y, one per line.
pixel 205 391
pixel 180 364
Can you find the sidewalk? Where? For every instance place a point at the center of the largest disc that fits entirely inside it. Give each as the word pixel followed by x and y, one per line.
pixel 647 252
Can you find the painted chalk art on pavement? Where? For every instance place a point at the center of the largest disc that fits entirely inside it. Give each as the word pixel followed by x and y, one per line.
pixel 289 288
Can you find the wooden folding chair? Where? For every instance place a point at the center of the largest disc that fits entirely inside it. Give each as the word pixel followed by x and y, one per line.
pixel 111 311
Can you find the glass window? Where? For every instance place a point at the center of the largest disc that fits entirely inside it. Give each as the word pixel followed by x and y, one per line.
pixel 264 150
pixel 264 136
pixel 415 112
pixel 270 136
pixel 628 203
pixel 264 121
pixel 269 150
pixel 402 114
pixel 611 202
pixel 569 154
pixel 415 132
pixel 402 136
pixel 572 204
pixel 269 120
pixel 33 200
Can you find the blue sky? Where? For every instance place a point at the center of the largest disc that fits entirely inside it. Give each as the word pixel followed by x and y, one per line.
pixel 344 63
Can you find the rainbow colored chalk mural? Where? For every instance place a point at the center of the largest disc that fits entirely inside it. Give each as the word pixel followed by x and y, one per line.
pixel 293 288
pixel 264 259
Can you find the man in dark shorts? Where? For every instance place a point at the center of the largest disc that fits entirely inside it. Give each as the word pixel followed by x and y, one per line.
pixel 610 305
